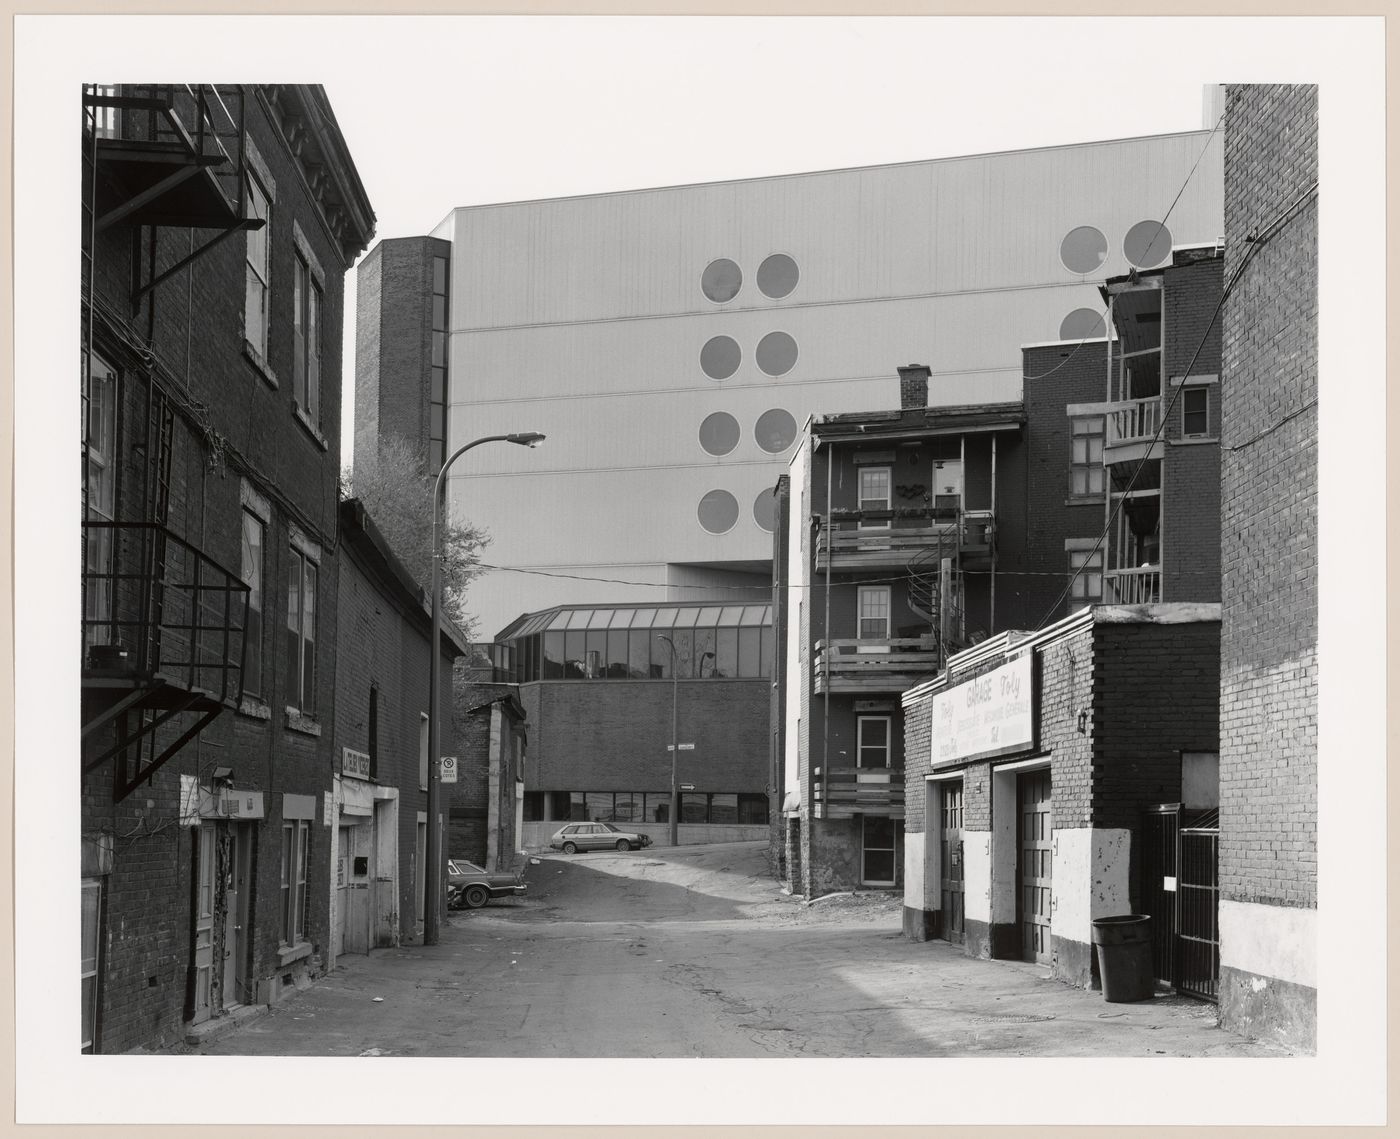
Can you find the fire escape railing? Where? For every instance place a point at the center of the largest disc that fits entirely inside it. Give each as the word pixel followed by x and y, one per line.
pixel 156 606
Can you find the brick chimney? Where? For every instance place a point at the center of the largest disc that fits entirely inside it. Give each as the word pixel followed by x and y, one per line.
pixel 913 386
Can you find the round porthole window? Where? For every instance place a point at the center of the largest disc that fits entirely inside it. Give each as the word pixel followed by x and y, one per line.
pixel 765 508
pixel 719 358
pixel 718 511
pixel 1083 250
pixel 1148 243
pixel 776 354
pixel 719 434
pixel 721 280
pixel 777 276
pixel 1082 324
pixel 775 430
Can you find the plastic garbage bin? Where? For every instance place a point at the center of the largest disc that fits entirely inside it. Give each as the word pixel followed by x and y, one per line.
pixel 1124 947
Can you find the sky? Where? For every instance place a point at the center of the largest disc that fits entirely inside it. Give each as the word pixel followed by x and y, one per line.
pixel 444 112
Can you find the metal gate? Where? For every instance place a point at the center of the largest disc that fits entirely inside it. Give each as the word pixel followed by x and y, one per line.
pixel 1181 890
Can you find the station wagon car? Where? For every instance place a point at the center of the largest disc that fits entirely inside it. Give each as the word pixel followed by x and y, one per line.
pixel 596 836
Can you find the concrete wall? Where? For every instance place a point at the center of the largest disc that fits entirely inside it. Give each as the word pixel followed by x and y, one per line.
pixel 1268 746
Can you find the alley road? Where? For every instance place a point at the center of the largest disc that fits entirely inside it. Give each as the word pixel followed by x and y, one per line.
pixel 694 952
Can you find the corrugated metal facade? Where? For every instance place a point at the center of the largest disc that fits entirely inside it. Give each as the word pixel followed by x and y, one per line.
pixel 584 318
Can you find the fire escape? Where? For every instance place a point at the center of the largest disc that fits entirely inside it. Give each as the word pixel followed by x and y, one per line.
pixel 163 622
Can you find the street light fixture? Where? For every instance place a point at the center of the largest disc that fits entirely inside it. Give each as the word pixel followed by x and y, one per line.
pixel 675 739
pixel 433 854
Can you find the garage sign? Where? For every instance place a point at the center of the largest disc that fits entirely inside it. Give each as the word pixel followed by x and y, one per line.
pixel 987 716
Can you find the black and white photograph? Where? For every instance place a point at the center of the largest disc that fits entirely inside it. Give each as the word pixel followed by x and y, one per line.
pixel 592 554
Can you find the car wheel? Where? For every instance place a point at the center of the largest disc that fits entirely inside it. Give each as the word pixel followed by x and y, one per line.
pixel 570 848
pixel 623 844
pixel 476 897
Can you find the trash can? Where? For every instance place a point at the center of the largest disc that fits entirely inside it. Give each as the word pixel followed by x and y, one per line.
pixel 1124 947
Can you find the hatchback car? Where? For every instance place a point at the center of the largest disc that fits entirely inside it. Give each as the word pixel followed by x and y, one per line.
pixel 596 836
pixel 470 886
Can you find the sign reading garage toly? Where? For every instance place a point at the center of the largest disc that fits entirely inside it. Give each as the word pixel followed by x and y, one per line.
pixel 988 716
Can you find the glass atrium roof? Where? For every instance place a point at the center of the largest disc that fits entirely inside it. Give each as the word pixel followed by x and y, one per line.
pixel 679 616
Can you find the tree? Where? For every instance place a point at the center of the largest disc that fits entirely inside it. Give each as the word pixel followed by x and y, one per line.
pixel 397 491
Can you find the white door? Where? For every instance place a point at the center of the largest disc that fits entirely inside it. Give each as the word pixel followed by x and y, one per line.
pixel 237 892
pixel 342 889
pixel 386 877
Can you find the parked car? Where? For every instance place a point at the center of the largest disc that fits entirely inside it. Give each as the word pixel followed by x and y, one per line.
pixel 596 836
pixel 469 886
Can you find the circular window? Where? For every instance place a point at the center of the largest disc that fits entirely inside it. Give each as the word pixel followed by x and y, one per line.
pixel 1148 243
pixel 765 509
pixel 721 280
pixel 1083 250
pixel 719 358
pixel 775 430
pixel 777 276
pixel 1082 324
pixel 776 353
pixel 718 511
pixel 719 434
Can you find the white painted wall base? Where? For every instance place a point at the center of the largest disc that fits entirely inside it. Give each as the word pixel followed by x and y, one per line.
pixel 977 876
pixel 1269 941
pixel 1090 873
pixel 915 896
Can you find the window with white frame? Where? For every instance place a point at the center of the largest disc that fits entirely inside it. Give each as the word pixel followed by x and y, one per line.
pixel 258 269
pixel 101 475
pixel 301 632
pixel 872 741
pixel 296 838
pixel 254 545
pixel 1086 473
pixel 1087 567
pixel 873 612
pixel 92 912
pixel 875 494
pixel 1195 412
pixel 306 337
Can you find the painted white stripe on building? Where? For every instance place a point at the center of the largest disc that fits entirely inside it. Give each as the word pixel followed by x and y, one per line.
pixel 977 875
pixel 1271 941
pixel 914 871
pixel 1090 875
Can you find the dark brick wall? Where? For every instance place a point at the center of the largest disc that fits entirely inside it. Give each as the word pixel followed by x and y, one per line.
pixel 612 735
pixel 1191 522
pixel 1268 760
pixel 235 420
pixel 1056 376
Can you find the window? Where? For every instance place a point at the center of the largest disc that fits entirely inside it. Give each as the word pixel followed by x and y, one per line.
pixel 1087 566
pixel 306 337
pixel 92 909
pixel 107 122
pixel 873 741
pixel 254 536
pixel 296 836
pixel 1195 412
pixel 101 473
pixel 874 612
pixel 301 633
pixel 753 809
pixel 259 269
pixel 875 494
pixel 1086 475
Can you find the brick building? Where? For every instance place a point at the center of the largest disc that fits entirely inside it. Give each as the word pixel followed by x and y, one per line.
pixel 486 804
pixel 1032 762
pixel 379 798
pixel 604 687
pixel 1269 555
pixel 217 227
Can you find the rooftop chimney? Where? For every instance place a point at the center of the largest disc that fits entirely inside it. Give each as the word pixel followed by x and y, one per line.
pixel 913 386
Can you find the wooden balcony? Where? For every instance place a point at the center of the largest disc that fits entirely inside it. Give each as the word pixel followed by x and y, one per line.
pixel 1130 428
pixel 891 539
pixel 1141 586
pixel 888 665
pixel 844 792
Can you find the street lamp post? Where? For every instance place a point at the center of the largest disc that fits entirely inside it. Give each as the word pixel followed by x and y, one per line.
pixel 432 876
pixel 675 738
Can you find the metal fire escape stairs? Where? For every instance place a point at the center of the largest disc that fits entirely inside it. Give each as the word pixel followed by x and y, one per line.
pixel 164 656
pixel 934 597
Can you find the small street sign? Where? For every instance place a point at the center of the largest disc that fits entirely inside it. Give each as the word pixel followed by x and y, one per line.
pixel 448 769
pixel 683 747
pixel 687 786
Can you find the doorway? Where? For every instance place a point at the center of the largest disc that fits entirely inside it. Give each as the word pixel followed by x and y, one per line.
pixel 1034 865
pixel 880 837
pixel 951 910
pixel 238 891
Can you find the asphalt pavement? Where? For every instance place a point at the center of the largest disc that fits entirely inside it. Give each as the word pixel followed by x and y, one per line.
pixel 695 952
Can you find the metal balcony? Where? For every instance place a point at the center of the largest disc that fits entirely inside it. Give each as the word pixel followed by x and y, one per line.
pixel 868 665
pixel 844 792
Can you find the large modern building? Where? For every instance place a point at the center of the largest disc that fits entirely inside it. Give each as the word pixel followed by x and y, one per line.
pixel 671 342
